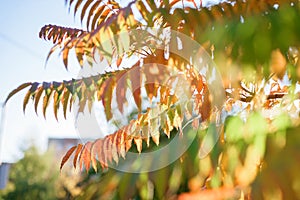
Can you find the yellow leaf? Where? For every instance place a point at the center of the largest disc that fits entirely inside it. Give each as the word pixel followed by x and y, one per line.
pixel 139 143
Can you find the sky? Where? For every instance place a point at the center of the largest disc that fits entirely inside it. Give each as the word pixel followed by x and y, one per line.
pixel 22 59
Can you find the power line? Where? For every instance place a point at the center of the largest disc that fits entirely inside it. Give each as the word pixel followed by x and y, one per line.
pixel 24 48
pixel 20 46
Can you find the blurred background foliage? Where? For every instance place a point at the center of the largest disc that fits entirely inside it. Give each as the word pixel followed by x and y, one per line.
pixel 36 176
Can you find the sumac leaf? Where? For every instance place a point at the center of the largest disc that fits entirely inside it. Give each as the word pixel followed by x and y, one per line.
pixel 38 95
pixel 85 156
pixel 18 89
pixel 78 150
pixel 67 156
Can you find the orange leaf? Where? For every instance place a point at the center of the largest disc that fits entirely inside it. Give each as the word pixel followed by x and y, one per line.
pixel 119 61
pixel 174 2
pixel 18 89
pixel 101 154
pixel 104 15
pixel 98 14
pixel 105 151
pixel 26 99
pixel 65 52
pixel 107 97
pixel 78 150
pixel 94 149
pixel 46 102
pixel 115 149
pixel 97 151
pixel 64 101
pixel 28 94
pixel 92 13
pixel 67 156
pixel 85 156
pixel 37 97
pixel 212 194
pixel 108 148
pixel 77 6
pixel 135 78
pixel 55 104
pixel 121 90
pixel 205 109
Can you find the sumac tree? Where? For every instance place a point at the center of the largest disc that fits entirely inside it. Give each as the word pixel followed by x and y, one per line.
pixel 255 45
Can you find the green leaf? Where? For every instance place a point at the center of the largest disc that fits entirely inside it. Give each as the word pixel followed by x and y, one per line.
pixel 256 124
pixel 281 122
pixel 260 144
pixel 234 129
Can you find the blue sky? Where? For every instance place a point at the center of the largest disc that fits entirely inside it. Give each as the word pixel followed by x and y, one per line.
pixel 22 58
